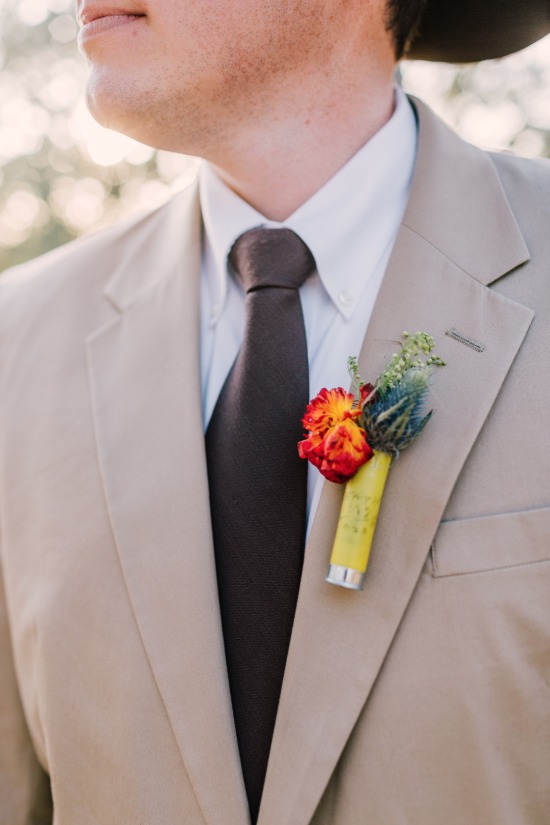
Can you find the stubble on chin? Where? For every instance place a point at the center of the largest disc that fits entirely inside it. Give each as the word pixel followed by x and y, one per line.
pixel 172 122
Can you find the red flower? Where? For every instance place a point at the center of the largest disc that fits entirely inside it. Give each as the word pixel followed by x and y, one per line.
pixel 336 444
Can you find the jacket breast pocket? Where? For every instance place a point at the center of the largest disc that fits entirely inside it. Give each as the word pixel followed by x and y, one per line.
pixel 475 545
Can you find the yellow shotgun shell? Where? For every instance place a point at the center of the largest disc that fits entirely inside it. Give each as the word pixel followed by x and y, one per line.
pixel 358 515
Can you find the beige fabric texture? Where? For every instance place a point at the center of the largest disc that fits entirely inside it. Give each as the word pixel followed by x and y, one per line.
pixel 423 700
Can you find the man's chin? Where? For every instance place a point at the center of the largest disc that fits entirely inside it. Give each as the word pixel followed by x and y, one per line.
pixel 114 108
pixel 139 111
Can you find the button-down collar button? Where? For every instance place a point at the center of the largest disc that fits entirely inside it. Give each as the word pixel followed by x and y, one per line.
pixel 346 298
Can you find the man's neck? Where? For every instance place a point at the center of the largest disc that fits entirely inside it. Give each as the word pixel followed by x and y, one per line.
pixel 277 166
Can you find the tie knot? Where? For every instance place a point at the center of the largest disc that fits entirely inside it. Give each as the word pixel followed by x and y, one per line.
pixel 271 257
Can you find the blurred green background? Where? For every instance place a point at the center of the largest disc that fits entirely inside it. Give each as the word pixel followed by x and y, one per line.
pixel 62 175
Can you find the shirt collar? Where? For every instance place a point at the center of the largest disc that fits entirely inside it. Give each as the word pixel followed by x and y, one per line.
pixel 348 224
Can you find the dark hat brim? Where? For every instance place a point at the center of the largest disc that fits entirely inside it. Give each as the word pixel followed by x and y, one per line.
pixel 464 31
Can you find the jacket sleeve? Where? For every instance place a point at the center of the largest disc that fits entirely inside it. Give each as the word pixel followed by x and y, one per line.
pixel 25 795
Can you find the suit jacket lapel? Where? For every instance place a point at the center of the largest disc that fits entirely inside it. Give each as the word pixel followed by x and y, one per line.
pixel 458 234
pixel 144 372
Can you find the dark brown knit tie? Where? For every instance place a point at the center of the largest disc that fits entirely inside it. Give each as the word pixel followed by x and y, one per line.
pixel 258 487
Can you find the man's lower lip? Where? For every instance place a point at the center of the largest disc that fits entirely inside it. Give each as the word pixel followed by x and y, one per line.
pixel 106 24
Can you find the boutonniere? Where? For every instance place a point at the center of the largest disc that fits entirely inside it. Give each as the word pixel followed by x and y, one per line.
pixel 352 438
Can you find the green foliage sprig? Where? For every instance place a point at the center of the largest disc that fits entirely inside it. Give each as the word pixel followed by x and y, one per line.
pixel 415 353
pixel 393 412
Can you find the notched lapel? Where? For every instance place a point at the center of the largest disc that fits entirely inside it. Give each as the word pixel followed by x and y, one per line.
pixel 144 373
pixel 341 638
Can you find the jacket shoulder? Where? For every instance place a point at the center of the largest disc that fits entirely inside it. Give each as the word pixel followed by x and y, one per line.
pixel 71 280
pixel 94 257
pixel 525 180
pixel 526 184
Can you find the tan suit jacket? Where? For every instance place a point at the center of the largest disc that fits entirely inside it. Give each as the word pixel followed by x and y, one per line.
pixel 423 700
